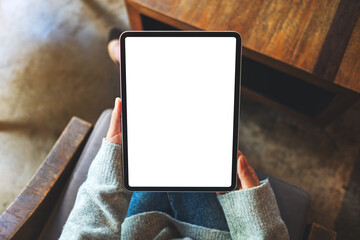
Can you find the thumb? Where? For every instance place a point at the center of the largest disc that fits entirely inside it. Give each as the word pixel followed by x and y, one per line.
pixel 246 173
pixel 114 132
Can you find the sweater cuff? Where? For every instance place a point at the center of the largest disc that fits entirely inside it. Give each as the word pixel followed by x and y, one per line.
pixel 106 167
pixel 253 210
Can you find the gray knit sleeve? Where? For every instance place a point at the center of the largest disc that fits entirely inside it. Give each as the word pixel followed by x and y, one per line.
pixel 101 203
pixel 253 213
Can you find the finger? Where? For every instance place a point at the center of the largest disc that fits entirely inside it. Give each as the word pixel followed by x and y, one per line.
pixel 115 122
pixel 116 118
pixel 238 183
pixel 246 174
pixel 253 173
pixel 114 50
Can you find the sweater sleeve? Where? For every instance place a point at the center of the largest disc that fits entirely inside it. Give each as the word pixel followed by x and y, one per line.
pixel 253 213
pixel 101 203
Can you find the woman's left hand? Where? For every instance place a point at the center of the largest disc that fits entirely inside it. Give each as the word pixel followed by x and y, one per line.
pixel 246 176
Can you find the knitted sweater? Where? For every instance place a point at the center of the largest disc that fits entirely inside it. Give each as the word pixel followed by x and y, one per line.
pixel 101 206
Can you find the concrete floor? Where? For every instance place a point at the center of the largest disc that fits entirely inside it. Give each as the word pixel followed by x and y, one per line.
pixel 54 65
pixel 319 160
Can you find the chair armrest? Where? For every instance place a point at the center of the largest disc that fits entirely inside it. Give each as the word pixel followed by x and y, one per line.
pixel 318 232
pixel 28 213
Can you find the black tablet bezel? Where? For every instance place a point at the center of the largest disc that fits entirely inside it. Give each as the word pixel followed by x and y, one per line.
pixel 122 38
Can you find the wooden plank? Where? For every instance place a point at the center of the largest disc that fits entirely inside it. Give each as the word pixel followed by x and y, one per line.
pixel 298 35
pixel 260 98
pixel 318 232
pixel 336 108
pixel 137 9
pixel 348 74
pixel 134 17
pixel 337 39
pixel 25 217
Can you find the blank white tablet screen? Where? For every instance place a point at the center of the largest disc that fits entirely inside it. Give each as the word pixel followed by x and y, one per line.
pixel 180 110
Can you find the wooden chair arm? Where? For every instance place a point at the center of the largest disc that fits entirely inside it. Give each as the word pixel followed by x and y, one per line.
pixel 28 213
pixel 318 232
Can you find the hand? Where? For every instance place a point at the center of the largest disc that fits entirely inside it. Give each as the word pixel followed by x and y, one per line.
pixel 114 133
pixel 246 177
pixel 114 51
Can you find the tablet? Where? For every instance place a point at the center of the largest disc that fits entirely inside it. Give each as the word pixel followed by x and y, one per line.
pixel 180 94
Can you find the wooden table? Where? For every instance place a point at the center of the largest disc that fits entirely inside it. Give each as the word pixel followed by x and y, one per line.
pixel 315 41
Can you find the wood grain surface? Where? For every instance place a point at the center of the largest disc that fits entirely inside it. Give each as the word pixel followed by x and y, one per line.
pixel 348 74
pixel 320 38
pixel 318 232
pixel 24 218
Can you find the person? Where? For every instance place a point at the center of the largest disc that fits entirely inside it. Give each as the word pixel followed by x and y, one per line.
pixel 105 210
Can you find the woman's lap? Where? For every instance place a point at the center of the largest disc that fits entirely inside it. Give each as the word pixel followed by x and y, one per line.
pixel 149 201
pixel 201 209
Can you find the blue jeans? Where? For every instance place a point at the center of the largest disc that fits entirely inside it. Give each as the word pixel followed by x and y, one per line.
pixel 201 209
